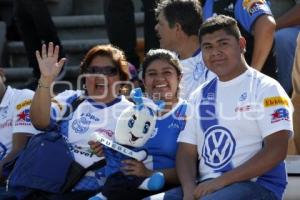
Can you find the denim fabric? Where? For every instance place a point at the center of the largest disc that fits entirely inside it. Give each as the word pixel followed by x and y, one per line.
pixel 7 195
pixel 285 45
pixel 242 191
pixel 238 191
pixel 172 194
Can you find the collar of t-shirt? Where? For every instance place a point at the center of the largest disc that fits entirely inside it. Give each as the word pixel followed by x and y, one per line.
pixel 196 52
pixel 104 105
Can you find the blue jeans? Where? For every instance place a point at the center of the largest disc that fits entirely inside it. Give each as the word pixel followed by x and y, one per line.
pixel 285 45
pixel 7 195
pixel 238 191
pixel 172 194
pixel 242 191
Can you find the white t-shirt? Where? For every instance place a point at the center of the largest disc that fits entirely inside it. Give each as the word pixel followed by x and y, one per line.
pixel 88 117
pixel 248 108
pixel 14 117
pixel 194 74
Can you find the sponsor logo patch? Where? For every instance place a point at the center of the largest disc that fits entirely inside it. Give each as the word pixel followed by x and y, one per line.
pixel 242 108
pixel 7 123
pixel 105 132
pixel 219 147
pixel 23 104
pixel 276 101
pixel 243 96
pixel 81 125
pixel 253 5
pixel 280 115
pixel 24 116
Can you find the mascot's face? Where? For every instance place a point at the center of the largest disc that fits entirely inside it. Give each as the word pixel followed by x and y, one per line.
pixel 135 126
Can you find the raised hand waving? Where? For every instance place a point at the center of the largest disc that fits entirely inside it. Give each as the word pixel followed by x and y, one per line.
pixel 48 62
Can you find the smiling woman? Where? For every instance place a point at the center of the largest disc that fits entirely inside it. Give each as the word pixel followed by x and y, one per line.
pixel 161 73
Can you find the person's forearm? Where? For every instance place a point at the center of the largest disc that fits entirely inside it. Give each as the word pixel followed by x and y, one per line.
pixel 9 157
pixel 263 40
pixel 290 18
pixel 186 171
pixel 2 178
pixel 170 175
pixel 41 104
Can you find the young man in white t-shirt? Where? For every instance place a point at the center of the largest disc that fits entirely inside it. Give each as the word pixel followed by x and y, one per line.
pixel 239 127
pixel 177 29
pixel 15 124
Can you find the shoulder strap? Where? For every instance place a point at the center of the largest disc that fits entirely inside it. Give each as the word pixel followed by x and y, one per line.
pixel 76 172
pixel 96 165
pixel 75 103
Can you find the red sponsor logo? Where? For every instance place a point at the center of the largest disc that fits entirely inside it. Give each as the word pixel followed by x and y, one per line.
pixel 242 108
pixel 106 132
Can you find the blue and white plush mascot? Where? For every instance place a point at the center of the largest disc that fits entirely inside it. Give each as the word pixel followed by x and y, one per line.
pixel 134 127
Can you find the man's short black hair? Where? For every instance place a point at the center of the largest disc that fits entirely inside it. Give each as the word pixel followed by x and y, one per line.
pixel 187 13
pixel 220 22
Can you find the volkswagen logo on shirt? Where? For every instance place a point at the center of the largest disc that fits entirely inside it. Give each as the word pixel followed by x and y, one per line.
pixel 219 147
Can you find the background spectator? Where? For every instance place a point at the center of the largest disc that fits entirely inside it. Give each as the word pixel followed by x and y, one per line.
pixel 2 38
pixel 36 27
pixel 15 124
pixel 296 95
pixel 177 29
pixel 120 24
pixel 287 15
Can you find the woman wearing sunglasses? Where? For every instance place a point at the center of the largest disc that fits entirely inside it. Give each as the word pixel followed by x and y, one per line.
pixel 103 71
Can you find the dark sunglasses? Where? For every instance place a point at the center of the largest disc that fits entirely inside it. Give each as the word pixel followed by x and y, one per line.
pixel 107 70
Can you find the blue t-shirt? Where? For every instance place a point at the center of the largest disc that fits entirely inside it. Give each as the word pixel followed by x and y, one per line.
pixel 245 13
pixel 162 146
